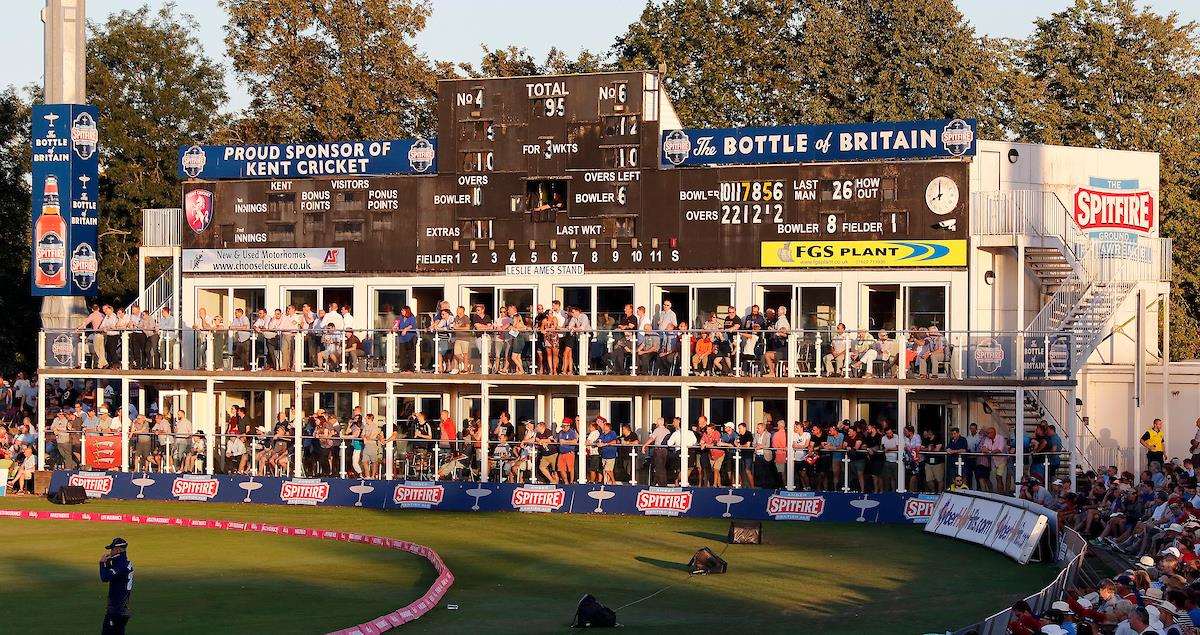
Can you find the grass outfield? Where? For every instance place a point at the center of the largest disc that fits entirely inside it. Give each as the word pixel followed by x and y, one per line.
pixel 519 573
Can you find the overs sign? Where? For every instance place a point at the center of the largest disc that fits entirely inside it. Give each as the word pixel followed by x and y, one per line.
pixel 264 259
pixel 864 253
pixel 930 139
pixel 299 160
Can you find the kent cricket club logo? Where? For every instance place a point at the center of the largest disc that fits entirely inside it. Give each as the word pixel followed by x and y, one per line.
pixel 795 506
pixel 94 484
pixel 677 147
pixel 84 136
pixel 198 208
pixel 957 136
pixel 919 509
pixel 538 498
pixel 304 491
pixel 664 501
pixel 418 495
pixel 194 488
pixel 193 161
pixel 420 155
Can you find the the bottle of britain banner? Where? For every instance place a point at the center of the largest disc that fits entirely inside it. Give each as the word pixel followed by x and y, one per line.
pixel 50 238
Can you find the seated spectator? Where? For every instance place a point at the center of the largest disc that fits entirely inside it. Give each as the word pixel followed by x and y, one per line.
pixel 647 350
pixel 839 345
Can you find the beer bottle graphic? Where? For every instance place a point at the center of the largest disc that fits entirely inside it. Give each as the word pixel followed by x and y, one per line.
pixel 50 238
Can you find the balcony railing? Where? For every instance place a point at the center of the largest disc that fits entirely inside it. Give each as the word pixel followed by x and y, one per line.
pixel 918 353
pixel 160 227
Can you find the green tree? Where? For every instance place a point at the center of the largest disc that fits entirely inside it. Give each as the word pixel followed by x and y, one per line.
pixel 760 62
pixel 331 69
pixel 1110 74
pixel 19 338
pixel 514 61
pixel 155 91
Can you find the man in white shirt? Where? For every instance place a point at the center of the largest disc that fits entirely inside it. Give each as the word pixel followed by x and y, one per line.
pixel 289 326
pixel 835 358
pixel 92 327
pixel 182 443
pixel 658 455
pixel 666 318
pixel 348 321
pixel 272 336
pixel 111 337
pixel 642 318
pixel 240 325
pixel 991 444
pixel 137 338
pixel 333 316
pixel 684 439
pixel 777 341
pixel 168 338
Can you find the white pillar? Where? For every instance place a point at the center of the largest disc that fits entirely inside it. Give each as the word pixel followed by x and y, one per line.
pixel 1018 437
pixel 388 428
pixel 1166 364
pixel 581 428
pixel 298 419
pixel 901 421
pixel 584 349
pixel 793 414
pixel 685 354
pixel 41 420
pixel 484 424
pixel 683 425
pixel 1020 310
pixel 124 414
pixel 215 417
pixel 1072 432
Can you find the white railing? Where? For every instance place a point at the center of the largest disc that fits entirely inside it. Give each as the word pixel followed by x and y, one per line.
pixel 160 227
pixel 158 294
pixel 1039 213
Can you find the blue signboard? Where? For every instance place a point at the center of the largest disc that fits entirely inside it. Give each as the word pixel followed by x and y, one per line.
pixel 300 160
pixel 930 139
pixel 693 502
pixel 65 193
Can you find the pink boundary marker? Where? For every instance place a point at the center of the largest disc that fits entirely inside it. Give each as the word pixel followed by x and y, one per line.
pixel 383 623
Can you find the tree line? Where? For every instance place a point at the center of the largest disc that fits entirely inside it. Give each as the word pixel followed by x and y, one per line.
pixel 1104 73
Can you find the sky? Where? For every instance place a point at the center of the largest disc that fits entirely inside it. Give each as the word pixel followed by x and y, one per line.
pixel 457 28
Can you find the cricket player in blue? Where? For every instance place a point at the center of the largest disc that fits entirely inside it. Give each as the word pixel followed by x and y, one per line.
pixel 117 571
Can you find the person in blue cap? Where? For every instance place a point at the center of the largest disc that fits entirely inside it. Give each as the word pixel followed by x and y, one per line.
pixel 117 571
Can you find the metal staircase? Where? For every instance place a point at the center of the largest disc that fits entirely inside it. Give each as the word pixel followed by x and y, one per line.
pixel 1087 280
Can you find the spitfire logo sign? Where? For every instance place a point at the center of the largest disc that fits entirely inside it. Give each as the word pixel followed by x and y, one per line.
pixel 84 136
pixel 418 495
pixel 664 501
pixel 304 491
pixel 94 484
pixel 786 505
pixel 538 498
pixel 194 488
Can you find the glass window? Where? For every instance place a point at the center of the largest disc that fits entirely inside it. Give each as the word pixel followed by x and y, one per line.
pixel 709 301
pixel 610 304
pixel 520 298
pixel 575 296
pixel 818 308
pixel 823 412
pixel 300 297
pixel 927 307
pixel 387 306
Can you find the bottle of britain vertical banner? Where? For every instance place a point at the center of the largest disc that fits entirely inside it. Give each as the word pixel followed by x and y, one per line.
pixel 50 236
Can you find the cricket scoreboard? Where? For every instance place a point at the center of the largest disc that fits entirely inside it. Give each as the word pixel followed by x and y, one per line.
pixel 566 174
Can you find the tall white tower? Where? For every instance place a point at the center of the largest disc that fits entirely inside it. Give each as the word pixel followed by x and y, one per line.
pixel 64 83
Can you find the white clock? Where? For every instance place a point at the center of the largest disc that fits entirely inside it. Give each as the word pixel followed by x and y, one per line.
pixel 942 195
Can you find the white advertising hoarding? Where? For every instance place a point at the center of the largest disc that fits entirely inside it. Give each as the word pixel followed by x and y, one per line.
pixel 998 524
pixel 264 259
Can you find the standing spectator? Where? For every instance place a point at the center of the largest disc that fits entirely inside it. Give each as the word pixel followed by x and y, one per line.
pixel 993 447
pixel 240 325
pixel 935 463
pixel 779 450
pixel 406 335
pixel 1153 441
pixel 182 439
pixel 547 452
pixel 608 450
pixel 137 338
pixel 568 449
pixel 955 447
pixel 655 445
pixel 764 458
pixel 372 436
pixel 91 327
pixel 168 339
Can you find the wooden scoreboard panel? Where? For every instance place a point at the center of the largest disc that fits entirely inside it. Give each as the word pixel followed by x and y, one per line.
pixel 564 171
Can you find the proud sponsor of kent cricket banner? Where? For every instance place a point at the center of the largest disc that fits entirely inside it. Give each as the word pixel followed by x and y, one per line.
pixel 468 497
pixel 930 139
pixel 864 253
pixel 65 184
pixel 298 160
pixel 265 260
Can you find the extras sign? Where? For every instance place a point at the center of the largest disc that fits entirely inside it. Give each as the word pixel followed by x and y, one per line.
pixel 928 139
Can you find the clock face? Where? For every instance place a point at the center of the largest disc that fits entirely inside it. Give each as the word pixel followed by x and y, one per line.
pixel 942 195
